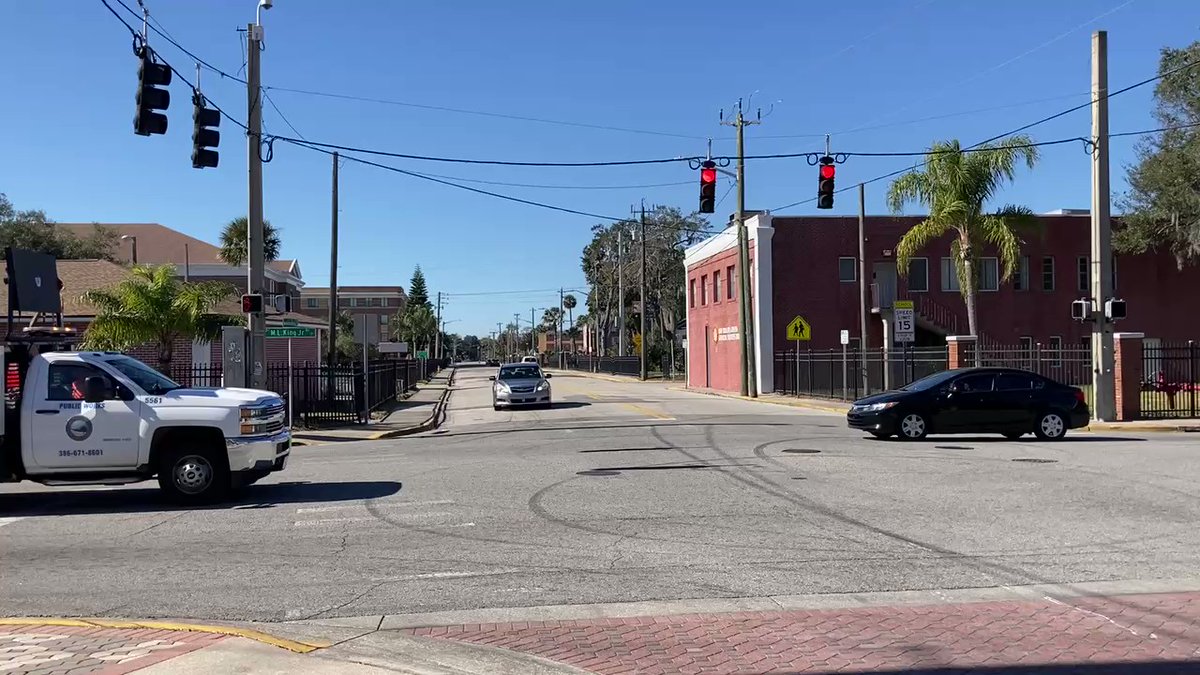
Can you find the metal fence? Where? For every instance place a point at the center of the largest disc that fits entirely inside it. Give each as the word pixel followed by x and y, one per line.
pixel 321 395
pixel 1066 364
pixel 832 374
pixel 1170 380
pixel 621 365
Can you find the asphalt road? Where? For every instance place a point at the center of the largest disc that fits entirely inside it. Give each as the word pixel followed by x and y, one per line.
pixel 621 492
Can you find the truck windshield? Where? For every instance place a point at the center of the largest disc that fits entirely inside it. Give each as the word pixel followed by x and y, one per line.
pixel 149 379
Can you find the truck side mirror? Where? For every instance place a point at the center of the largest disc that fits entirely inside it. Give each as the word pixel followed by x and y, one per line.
pixel 95 389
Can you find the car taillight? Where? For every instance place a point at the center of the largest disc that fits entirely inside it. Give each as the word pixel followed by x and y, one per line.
pixel 1079 396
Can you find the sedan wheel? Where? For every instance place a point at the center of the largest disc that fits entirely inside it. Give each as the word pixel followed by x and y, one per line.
pixel 913 427
pixel 1050 427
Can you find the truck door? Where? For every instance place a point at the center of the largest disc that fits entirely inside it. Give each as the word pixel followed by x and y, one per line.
pixel 66 432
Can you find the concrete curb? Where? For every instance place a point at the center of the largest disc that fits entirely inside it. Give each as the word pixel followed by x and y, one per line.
pixel 1148 428
pixel 430 423
pixel 248 633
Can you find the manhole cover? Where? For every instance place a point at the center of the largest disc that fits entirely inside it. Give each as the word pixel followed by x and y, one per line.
pixel 953 447
pixel 802 451
pixel 1035 460
pixel 799 478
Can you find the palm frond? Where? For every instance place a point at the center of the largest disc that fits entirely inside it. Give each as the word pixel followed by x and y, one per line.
pixel 1001 229
pixel 917 238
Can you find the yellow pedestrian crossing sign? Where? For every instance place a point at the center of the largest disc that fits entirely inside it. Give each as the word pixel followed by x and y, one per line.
pixel 799 329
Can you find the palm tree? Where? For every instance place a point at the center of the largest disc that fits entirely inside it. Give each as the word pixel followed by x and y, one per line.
pixel 954 187
pixel 416 325
pixel 155 306
pixel 233 242
pixel 569 302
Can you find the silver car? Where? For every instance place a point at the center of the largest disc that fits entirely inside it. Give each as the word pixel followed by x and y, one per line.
pixel 518 384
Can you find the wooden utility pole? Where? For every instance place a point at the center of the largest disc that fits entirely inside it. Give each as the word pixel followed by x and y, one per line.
pixel 745 312
pixel 333 265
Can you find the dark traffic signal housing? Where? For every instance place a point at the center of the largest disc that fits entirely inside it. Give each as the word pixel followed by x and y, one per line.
pixel 252 303
pixel 150 98
pixel 205 137
pixel 708 187
pixel 825 186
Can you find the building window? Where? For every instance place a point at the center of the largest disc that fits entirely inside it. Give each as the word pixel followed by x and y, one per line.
pixel 918 275
pixel 949 276
pixel 383 319
pixel 989 274
pixel 1055 354
pixel 1021 278
pixel 729 282
pixel 1048 273
pixel 377 302
pixel 716 286
pixel 703 289
pixel 312 303
pixel 1083 274
pixel 343 302
pixel 691 293
pixel 847 270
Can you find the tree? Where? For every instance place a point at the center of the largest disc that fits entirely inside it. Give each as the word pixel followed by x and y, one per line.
pixel 418 292
pixel 234 244
pixel 551 318
pixel 34 231
pixel 1162 206
pixel 154 306
pixel 569 303
pixel 955 187
pixel 416 325
pixel 668 233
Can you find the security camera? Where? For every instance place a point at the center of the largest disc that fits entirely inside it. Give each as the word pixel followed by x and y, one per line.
pixel 265 4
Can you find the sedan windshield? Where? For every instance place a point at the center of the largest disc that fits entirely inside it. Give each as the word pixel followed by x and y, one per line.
pixel 930 382
pixel 150 380
pixel 520 373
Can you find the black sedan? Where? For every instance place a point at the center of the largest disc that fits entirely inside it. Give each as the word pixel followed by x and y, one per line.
pixel 973 400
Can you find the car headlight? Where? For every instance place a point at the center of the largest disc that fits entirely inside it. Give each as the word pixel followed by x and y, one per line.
pixel 502 388
pixel 876 407
pixel 543 385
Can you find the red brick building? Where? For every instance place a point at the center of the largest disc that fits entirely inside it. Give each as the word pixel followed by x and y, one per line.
pixel 810 268
pixel 375 304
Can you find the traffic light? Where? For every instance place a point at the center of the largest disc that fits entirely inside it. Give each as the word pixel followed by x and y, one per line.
pixel 150 98
pixel 708 187
pixel 825 178
pixel 1081 310
pixel 252 303
pixel 204 139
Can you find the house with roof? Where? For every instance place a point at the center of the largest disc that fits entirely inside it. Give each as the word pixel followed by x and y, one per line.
pixel 197 260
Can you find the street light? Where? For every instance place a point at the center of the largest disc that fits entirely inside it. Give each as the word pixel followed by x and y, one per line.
pixel 133 245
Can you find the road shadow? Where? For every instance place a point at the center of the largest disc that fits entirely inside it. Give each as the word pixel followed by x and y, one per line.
pixel 567 405
pixel 1188 667
pixel 138 500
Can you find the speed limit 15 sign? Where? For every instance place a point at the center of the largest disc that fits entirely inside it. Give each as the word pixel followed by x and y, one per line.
pixel 904 321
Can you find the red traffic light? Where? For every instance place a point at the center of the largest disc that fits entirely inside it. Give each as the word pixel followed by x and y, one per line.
pixel 828 171
pixel 708 175
pixel 252 303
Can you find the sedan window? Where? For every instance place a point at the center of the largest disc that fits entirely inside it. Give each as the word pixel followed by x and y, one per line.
pixel 1013 382
pixel 520 373
pixel 975 383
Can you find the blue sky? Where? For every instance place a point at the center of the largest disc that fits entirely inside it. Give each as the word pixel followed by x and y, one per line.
pixel 665 66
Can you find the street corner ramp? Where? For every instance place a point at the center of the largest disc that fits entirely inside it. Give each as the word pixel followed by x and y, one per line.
pixel 114 646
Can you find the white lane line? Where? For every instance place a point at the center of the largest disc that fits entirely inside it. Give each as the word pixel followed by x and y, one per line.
pixel 333 521
pixel 8 521
pixel 388 505
pixel 452 575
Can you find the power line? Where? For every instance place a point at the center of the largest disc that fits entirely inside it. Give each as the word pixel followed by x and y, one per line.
pixel 1048 118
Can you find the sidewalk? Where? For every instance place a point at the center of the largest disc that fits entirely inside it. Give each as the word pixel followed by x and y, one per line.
pixel 421 411
pixel 1090 628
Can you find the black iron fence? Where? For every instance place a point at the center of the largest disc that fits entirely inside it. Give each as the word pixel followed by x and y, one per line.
pixel 321 395
pixel 1070 364
pixel 620 365
pixel 851 375
pixel 1170 380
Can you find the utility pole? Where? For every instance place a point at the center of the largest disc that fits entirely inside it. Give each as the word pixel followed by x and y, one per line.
pixel 745 313
pixel 499 349
pixel 333 265
pixel 1103 378
pixel 254 229
pixel 558 328
pixel 532 331
pixel 437 340
pixel 516 342
pixel 642 293
pixel 862 284
pixel 620 294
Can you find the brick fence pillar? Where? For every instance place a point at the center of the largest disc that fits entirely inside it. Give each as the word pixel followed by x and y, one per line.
pixel 960 351
pixel 1127 373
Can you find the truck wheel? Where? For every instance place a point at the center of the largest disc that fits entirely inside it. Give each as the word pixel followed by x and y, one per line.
pixel 193 475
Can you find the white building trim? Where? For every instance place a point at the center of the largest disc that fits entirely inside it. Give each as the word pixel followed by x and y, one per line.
pixel 223 270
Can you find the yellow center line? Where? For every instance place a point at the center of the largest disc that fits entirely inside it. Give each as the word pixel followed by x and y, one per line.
pixel 647 411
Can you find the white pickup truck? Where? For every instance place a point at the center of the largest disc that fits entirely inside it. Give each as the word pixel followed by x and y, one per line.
pixel 103 418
